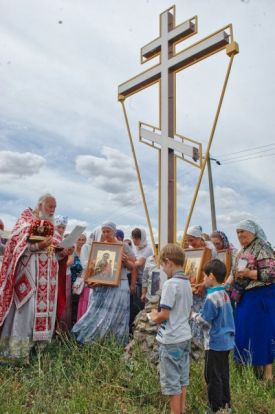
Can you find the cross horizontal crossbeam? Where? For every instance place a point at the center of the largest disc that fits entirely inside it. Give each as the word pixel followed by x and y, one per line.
pixel 154 138
pixel 185 58
pixel 179 33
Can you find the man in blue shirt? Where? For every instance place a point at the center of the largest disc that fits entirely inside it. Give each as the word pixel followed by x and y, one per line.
pixel 216 317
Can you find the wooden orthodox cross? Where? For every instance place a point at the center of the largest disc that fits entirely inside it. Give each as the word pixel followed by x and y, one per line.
pixel 164 71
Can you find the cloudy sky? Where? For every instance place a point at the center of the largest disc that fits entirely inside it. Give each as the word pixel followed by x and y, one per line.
pixel 62 129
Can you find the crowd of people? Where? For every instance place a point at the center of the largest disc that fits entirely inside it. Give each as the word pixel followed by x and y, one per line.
pixel 47 289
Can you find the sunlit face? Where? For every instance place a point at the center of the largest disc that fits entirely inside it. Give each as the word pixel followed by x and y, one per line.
pixel 209 280
pixel 48 207
pixel 194 242
pixel 218 243
pixel 81 241
pixel 61 229
pixel 108 234
pixel 185 243
pixel 245 237
pixel 167 266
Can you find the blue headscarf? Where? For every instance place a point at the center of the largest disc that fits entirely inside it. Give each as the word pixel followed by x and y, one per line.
pixel 120 233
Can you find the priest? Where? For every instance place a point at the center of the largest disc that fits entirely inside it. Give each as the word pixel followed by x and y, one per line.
pixel 28 282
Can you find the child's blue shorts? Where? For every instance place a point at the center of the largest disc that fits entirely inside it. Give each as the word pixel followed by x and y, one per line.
pixel 174 367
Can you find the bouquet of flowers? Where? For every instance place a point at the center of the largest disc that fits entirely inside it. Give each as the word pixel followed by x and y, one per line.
pixel 40 229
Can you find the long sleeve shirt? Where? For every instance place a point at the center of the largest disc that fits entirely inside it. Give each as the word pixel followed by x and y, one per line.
pixel 216 318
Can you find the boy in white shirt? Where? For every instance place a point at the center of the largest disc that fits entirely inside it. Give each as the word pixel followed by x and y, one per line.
pixel 174 334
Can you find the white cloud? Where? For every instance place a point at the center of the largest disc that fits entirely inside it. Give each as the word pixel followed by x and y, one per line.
pixel 80 199
pixel 113 164
pixel 15 164
pixel 113 173
pixel 226 198
pixel 8 220
pixel 234 217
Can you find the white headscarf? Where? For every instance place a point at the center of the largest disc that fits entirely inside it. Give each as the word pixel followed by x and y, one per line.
pixel 143 239
pixel 60 220
pixel 252 227
pixel 109 225
pixel 195 231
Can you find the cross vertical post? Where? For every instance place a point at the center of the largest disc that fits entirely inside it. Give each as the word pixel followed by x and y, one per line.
pixel 167 164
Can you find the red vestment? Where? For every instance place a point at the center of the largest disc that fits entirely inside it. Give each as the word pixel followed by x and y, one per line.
pixel 18 285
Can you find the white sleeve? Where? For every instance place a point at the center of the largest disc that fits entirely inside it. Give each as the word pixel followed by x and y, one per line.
pixel 168 296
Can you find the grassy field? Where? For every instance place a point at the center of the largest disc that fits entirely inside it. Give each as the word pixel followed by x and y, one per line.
pixel 70 379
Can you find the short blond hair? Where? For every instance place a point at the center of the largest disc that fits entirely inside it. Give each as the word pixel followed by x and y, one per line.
pixel 174 253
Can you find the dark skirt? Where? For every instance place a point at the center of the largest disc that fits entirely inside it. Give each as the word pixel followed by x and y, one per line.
pixel 255 326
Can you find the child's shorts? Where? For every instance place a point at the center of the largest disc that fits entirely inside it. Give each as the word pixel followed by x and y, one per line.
pixel 174 367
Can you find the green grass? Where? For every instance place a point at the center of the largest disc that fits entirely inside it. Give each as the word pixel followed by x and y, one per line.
pixel 71 379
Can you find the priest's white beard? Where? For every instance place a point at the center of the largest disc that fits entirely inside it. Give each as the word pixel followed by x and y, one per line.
pixel 44 216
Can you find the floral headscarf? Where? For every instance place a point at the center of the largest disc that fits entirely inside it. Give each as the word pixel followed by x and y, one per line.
pixel 224 238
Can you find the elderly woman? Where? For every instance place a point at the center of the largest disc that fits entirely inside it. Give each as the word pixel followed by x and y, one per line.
pixel 254 285
pixel 194 238
pixel 109 308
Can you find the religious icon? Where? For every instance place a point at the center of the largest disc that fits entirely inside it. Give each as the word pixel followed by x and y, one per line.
pixel 195 260
pixel 104 264
pixel 155 285
pixel 225 257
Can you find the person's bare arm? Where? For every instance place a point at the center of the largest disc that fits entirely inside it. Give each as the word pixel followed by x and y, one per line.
pixel 140 262
pixel 160 316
